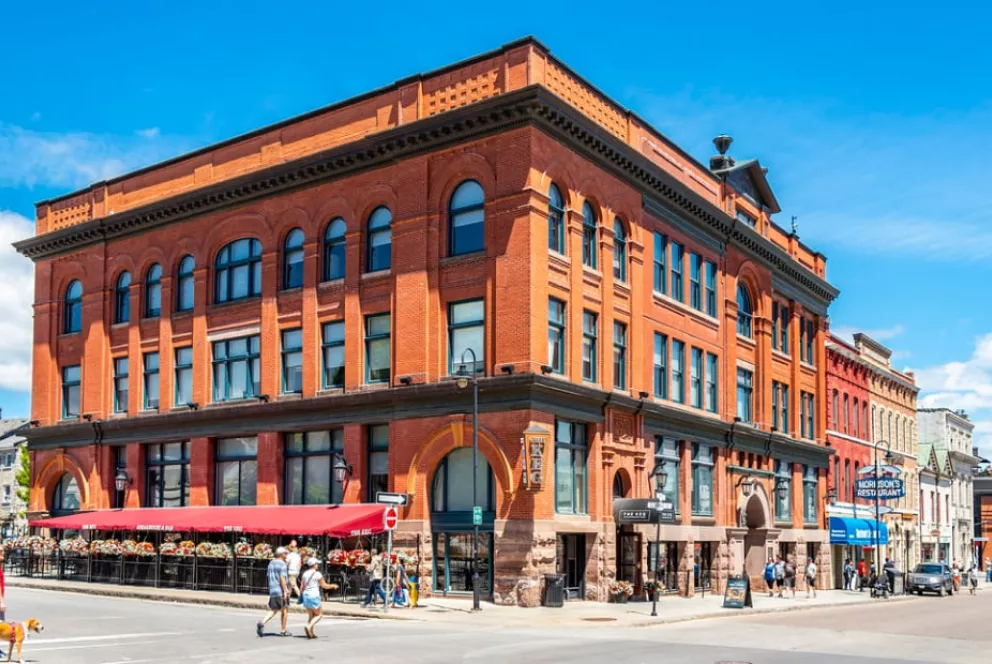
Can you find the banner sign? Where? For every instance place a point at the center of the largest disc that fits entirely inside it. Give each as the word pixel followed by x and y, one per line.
pixel 638 510
pixel 889 488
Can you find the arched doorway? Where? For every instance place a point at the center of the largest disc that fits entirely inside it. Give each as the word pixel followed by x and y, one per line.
pixel 65 496
pixel 628 542
pixel 757 519
pixel 451 523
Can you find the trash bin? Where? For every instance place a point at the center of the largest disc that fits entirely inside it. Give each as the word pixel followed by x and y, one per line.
pixel 897 581
pixel 554 590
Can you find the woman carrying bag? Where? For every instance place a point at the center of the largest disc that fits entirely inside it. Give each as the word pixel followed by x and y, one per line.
pixel 311 583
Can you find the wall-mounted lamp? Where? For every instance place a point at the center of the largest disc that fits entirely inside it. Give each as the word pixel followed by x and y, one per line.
pixel 546 369
pixel 781 487
pixel 507 369
pixel 832 495
pixel 122 480
pixel 88 417
pixel 342 469
pixel 405 380
pixel 745 483
pixel 643 395
pixel 264 398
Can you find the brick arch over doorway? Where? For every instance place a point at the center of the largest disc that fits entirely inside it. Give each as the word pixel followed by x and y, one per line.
pixel 443 440
pixel 49 476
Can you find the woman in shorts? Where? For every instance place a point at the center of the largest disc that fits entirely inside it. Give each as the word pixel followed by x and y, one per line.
pixel 311 583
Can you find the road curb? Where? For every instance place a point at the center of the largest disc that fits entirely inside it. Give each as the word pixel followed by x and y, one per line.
pixel 150 596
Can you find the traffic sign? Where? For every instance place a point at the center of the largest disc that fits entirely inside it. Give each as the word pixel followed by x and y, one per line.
pixel 388 498
pixel 476 516
pixel 390 517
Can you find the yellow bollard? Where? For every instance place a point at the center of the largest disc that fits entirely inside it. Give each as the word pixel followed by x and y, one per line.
pixel 414 592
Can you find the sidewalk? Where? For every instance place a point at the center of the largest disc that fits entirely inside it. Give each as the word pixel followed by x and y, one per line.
pixel 671 609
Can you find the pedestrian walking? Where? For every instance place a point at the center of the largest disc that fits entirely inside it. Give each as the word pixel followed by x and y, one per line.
pixel 277 575
pixel 790 575
pixel 401 584
pixel 848 575
pixel 862 575
pixel 294 564
pixel 988 570
pixel 956 576
pixel 811 578
pixel 972 579
pixel 311 583
pixel 375 580
pixel 770 577
pixel 779 574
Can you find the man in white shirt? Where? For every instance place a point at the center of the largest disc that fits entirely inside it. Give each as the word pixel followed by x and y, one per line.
pixel 811 578
pixel 293 562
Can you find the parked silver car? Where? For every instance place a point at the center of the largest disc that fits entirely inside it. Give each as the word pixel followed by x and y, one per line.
pixel 930 577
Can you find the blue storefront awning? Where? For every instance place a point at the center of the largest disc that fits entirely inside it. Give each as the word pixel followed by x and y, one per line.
pixel 856 532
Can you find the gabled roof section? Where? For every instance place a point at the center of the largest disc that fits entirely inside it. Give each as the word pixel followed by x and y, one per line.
pixel 925 457
pixel 751 180
pixel 943 461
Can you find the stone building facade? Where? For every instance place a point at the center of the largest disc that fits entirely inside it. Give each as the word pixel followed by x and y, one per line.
pixel 312 287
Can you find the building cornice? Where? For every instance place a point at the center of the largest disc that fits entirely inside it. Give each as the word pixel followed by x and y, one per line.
pixel 854 356
pixel 534 105
pixel 558 397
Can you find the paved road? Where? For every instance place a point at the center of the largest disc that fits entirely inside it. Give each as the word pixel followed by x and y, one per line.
pixel 97 630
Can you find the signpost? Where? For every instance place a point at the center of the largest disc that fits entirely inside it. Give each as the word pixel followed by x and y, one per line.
pixel 887 488
pixel 390 517
pixel 738 592
pixel 387 498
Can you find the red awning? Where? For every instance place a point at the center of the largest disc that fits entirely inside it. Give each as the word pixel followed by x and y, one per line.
pixel 333 520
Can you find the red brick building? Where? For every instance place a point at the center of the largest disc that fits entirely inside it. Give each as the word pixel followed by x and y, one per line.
pixel 221 324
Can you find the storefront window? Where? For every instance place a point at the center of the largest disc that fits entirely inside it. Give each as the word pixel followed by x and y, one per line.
pixel 309 467
pixel 809 494
pixel 237 471
pixel 167 475
pixel 783 500
pixel 65 499
pixel 570 467
pixel 702 479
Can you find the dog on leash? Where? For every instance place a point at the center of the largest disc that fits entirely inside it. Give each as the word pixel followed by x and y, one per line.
pixel 15 633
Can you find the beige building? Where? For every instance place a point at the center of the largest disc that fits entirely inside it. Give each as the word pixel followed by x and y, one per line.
pixel 12 521
pixel 893 427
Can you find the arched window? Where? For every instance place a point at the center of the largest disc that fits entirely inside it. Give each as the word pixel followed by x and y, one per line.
pixel 835 410
pixel 185 284
pixel 238 270
pixel 153 291
pixel 619 251
pixel 745 311
pixel 619 490
pixel 379 240
pixel 122 298
pixel 292 260
pixel 466 219
pixel 65 497
pixel 556 220
pixel 589 250
pixel 857 419
pixel 889 437
pixel 72 313
pixel 334 250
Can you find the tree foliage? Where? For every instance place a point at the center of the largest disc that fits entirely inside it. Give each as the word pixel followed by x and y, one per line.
pixel 23 476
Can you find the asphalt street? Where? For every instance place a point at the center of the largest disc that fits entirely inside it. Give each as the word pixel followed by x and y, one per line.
pixel 82 629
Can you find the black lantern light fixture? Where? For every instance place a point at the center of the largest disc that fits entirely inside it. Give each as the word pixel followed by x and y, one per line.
pixel 342 469
pixel 782 487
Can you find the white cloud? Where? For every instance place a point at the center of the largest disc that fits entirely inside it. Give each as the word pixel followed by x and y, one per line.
pixel 16 297
pixel 151 132
pixel 847 333
pixel 76 159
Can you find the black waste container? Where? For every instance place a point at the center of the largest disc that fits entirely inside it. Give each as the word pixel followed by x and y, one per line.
pixel 897 581
pixel 554 590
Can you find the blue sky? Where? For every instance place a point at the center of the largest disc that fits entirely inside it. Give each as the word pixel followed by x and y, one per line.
pixel 872 119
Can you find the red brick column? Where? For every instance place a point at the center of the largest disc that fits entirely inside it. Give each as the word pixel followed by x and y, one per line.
pixel 201 471
pixel 136 470
pixel 270 466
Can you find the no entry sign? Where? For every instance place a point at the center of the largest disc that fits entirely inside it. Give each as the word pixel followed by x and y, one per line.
pixel 390 517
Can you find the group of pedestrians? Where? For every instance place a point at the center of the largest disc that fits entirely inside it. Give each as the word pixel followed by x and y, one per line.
pixel 285 581
pixel 400 588
pixel 781 573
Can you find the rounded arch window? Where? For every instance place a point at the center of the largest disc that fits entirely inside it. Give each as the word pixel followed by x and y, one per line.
pixel 452 486
pixel 238 270
pixel 334 247
pixel 745 311
pixel 72 316
pixel 185 284
pixel 466 219
pixel 619 487
pixel 153 291
pixel 619 251
pixel 292 260
pixel 589 251
pixel 379 240
pixel 122 298
pixel 556 220
pixel 65 498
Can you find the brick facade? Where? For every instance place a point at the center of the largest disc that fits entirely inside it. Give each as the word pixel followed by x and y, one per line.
pixel 514 275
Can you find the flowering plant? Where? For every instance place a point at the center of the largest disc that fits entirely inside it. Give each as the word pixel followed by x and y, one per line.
pixel 337 557
pixel 169 549
pixel 211 550
pixel 308 552
pixel 263 550
pixel 359 558
pixel 109 547
pixel 621 589
pixel 242 549
pixel 75 545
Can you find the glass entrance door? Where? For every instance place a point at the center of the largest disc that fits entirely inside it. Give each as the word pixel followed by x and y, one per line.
pixel 453 562
pixel 572 564
pixel 628 557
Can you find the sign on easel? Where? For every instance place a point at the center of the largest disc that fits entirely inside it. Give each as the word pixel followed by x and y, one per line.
pixel 737 595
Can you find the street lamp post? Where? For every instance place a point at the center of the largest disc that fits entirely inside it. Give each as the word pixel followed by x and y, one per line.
pixel 878 520
pixel 660 476
pixel 462 382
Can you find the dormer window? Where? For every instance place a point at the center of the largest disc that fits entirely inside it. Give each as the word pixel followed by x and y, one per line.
pixel 745 218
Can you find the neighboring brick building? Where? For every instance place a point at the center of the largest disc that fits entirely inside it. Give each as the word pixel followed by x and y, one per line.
pixel 311 287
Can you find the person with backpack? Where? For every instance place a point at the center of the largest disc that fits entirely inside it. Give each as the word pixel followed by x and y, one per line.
pixel 770 577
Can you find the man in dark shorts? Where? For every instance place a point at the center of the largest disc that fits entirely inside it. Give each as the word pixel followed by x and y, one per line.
pixel 277 575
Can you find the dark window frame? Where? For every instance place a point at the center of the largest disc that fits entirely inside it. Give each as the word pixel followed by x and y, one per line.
pixel 463 211
pixel 335 490
pixel 374 374
pixel 556 328
pixel 379 224
pixel 696 396
pixel 660 368
pixel 590 343
pixel 745 388
pixel 72 308
pixel 185 274
pixel 153 291
pixel 745 312
pixel 590 227
pixel 181 368
pixel 695 281
pixel 711 279
pixel 286 353
pixel 325 348
pixel 225 266
pixel 712 382
pixel 660 263
pixel 150 376
pixel 155 491
pixel 575 451
pixel 455 363
pixel 242 461
pixel 252 360
pixel 293 255
pixel 121 383
pixel 702 466
pixel 619 355
pixel 619 250
pixel 122 298
pixel 556 220
pixel 374 445
pixel 677 268
pixel 677 391
pixel 335 247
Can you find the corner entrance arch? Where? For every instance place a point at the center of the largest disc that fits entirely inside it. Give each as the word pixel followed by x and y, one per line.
pixel 758 520
pixel 451 523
